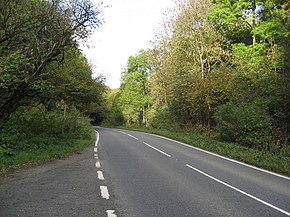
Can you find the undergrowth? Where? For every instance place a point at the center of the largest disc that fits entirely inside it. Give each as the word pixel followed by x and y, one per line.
pixel 35 136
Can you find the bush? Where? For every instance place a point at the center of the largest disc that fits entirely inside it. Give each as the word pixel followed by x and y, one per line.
pixel 37 129
pixel 247 124
pixel 114 117
pixel 162 119
pixel 5 151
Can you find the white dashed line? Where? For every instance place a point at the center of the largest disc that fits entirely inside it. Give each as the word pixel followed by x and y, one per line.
pixel 156 149
pixel 110 213
pixel 133 137
pixel 100 175
pixel 98 165
pixel 238 190
pixel 104 192
pixel 97 139
pixel 220 156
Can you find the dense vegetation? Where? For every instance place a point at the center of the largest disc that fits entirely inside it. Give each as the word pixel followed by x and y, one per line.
pixel 34 135
pixel 218 67
pixel 45 81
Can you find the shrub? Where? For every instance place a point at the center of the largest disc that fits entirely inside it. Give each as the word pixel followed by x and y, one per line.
pixel 162 119
pixel 37 129
pixel 5 151
pixel 247 124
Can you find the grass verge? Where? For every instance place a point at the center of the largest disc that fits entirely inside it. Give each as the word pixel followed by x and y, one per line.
pixel 276 163
pixel 55 150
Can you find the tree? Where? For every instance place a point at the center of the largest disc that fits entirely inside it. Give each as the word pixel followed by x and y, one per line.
pixel 259 35
pixel 114 115
pixel 34 35
pixel 135 98
pixel 73 83
pixel 258 31
pixel 189 72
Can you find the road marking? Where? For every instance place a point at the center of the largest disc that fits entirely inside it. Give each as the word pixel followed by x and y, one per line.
pixel 110 213
pixel 133 137
pixel 104 192
pixel 98 165
pixel 238 190
pixel 97 138
pixel 220 156
pixel 100 175
pixel 162 152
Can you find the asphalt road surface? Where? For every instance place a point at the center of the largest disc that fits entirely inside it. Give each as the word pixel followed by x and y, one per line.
pixel 134 174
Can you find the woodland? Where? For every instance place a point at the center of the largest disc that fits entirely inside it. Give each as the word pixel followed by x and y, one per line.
pixel 46 85
pixel 217 67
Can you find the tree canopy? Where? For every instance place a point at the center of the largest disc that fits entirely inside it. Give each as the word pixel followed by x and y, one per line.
pixel 220 67
pixel 39 58
pixel 134 97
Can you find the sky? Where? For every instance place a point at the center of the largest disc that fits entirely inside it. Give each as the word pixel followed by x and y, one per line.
pixel 129 25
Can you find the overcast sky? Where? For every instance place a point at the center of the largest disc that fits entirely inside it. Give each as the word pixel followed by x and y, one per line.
pixel 129 26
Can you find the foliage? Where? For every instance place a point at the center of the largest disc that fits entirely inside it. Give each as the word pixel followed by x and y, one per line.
pixel 36 135
pixel 236 19
pixel 219 67
pixel 114 115
pixel 34 129
pixel 190 74
pixel 252 57
pixel 46 84
pixel 135 100
pixel 246 124
pixel 73 84
pixel 33 36
pixel 227 60
pixel 162 119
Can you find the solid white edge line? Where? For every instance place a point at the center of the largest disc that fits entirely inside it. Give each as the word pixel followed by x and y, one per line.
pixel 240 191
pixel 133 137
pixel 220 156
pixel 156 149
pixel 98 165
pixel 97 138
pixel 104 192
pixel 110 213
pixel 100 175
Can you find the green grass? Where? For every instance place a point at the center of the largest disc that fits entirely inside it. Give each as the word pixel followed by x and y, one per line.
pixel 55 150
pixel 277 163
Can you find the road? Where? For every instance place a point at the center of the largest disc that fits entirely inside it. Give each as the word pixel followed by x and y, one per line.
pixel 67 187
pixel 135 174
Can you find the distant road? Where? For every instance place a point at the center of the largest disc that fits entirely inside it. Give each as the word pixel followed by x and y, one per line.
pixel 133 174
